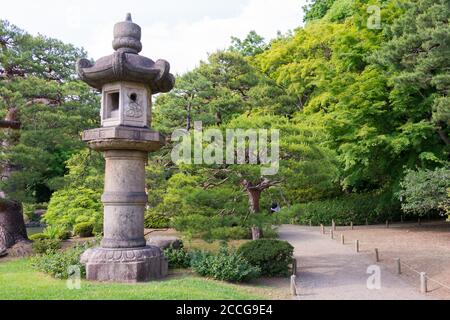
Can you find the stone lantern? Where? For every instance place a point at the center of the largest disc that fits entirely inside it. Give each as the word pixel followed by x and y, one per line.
pixel 127 82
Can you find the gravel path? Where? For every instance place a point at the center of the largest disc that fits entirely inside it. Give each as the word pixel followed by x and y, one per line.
pixel 327 270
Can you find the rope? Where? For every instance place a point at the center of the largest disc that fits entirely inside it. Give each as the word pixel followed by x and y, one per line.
pixel 428 278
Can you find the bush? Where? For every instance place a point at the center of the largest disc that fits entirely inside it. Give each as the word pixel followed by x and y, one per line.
pixel 426 191
pixel 71 206
pixel 178 258
pixel 273 257
pixel 58 264
pixel 38 236
pixel 156 221
pixel 230 233
pixel 269 233
pixel 225 266
pixel 84 230
pixel 57 233
pixel 356 208
pixel 199 226
pixel 43 246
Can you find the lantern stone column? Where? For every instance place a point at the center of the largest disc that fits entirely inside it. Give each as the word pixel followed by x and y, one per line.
pixel 127 81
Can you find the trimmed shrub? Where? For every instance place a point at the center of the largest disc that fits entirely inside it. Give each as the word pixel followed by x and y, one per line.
pixel 58 264
pixel 156 221
pixel 38 236
pixel 84 229
pixel 71 206
pixel 356 208
pixel 225 266
pixel 43 246
pixel 273 257
pixel 178 258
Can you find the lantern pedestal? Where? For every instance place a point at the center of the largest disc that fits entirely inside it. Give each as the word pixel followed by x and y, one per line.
pixel 123 255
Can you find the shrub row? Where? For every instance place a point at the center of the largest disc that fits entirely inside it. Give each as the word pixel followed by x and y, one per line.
pixel 376 208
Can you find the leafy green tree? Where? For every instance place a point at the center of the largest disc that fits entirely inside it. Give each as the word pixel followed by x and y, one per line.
pixel 426 191
pixel 251 46
pixel 42 111
pixel 317 9
pixel 416 58
pixel 38 91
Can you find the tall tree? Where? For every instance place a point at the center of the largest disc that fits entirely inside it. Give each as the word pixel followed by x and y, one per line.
pixel 44 109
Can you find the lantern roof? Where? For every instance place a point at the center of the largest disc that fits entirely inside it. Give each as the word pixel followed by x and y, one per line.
pixel 125 64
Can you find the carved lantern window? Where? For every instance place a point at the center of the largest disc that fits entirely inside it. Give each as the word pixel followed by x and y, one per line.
pixel 126 104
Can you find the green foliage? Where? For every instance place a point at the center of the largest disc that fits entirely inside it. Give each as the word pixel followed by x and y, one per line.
pixel 356 208
pixel 59 263
pixel 57 232
pixel 199 226
pixel 71 206
pixel 84 229
pixel 38 236
pixel 44 245
pixel 273 257
pixel 317 9
pixel 251 46
pixel 38 89
pixel 178 258
pixel 225 265
pixel 230 233
pixel 426 191
pixel 156 221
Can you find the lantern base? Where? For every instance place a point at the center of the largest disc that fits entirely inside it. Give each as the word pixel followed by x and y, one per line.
pixel 132 265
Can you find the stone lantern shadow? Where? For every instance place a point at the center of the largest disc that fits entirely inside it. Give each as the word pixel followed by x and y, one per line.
pixel 127 82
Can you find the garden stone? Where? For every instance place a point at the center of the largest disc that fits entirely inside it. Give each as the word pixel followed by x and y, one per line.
pixel 165 242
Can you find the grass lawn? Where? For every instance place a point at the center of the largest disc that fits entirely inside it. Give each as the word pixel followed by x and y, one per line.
pixel 19 281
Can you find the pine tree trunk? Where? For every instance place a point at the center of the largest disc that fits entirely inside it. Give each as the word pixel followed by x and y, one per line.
pixel 254 197
pixel 12 224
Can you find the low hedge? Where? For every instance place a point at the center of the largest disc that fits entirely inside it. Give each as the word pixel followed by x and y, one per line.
pixel 273 257
pixel 225 265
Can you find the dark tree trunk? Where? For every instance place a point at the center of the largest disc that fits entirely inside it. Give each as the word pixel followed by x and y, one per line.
pixel 254 197
pixel 254 192
pixel 12 224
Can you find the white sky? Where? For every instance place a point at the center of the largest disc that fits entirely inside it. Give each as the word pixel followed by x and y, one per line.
pixel 182 32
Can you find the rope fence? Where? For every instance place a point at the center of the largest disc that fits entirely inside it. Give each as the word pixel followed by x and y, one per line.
pixel 424 278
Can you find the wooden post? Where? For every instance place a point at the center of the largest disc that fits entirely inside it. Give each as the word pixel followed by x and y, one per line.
pixel 377 255
pixel 332 234
pixel 399 266
pixel 423 283
pixel 342 239
pixel 322 229
pixel 367 222
pixel 294 267
pixel 293 286
pixel 351 225
pixel 333 225
pixel 310 222
pixel 357 245
pixel 387 224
